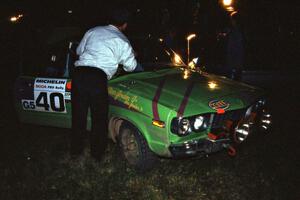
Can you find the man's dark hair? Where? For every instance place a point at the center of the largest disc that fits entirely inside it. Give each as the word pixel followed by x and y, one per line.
pixel 119 17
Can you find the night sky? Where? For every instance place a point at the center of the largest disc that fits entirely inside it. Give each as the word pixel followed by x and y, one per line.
pixel 271 28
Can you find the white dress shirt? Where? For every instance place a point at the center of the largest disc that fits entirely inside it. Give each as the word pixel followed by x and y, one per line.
pixel 106 47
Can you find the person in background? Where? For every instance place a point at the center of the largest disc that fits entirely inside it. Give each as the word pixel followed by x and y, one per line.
pixel 235 50
pixel 171 39
pixel 229 51
pixel 100 52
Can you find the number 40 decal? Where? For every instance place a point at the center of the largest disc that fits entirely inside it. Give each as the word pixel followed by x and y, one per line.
pixel 51 102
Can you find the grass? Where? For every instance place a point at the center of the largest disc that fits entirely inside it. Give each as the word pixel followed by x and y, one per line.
pixel 35 165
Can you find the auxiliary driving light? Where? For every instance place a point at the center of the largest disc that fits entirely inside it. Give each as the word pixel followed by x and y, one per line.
pixel 241 132
pixel 265 120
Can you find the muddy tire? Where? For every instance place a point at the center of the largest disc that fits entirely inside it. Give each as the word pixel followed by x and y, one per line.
pixel 135 149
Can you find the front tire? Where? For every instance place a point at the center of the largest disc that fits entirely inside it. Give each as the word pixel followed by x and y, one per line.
pixel 135 149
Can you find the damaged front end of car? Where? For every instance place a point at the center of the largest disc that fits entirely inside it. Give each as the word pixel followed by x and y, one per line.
pixel 224 130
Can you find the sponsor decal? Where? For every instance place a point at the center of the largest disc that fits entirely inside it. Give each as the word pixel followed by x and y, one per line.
pixel 49 96
pixel 50 81
pixel 218 104
pixel 67 95
pixel 130 101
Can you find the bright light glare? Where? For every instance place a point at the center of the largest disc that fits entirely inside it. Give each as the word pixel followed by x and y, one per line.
pixel 13 19
pixel 186 74
pixel 212 84
pixel 169 54
pixel 177 59
pixel 233 13
pixel 191 36
pixel 192 65
pixel 230 9
pixel 266 121
pixel 265 127
pixel 227 2
pixel 16 18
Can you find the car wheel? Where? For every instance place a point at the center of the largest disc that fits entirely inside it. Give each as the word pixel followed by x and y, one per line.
pixel 135 149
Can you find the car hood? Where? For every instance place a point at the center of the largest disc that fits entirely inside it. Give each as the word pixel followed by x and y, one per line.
pixel 189 93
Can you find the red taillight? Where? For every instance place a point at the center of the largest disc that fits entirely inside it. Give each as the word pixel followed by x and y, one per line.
pixel 69 85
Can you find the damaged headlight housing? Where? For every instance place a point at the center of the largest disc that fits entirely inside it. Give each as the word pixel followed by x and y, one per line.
pixel 184 126
pixel 260 104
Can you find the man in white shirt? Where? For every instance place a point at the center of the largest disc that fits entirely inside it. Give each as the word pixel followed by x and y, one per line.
pixel 100 52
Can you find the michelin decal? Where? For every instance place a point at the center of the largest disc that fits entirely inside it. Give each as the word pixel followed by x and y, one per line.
pixel 49 96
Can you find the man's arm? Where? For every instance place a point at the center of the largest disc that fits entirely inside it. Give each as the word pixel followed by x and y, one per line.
pixel 139 68
pixel 82 43
pixel 128 59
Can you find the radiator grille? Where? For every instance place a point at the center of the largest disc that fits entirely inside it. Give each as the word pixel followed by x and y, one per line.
pixel 219 119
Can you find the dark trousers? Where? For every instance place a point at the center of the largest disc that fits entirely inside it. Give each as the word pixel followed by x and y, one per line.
pixel 89 90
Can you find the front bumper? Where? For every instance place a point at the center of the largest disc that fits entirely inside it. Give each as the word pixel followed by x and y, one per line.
pixel 198 148
pixel 227 130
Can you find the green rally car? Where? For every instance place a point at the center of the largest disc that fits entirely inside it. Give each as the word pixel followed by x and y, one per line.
pixel 168 110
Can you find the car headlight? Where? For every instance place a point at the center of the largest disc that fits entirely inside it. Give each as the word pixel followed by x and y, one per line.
pixel 184 126
pixel 260 103
pixel 241 132
pixel 198 123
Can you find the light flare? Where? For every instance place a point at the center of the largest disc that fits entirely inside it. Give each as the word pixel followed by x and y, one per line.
pixel 177 59
pixel 212 84
pixel 191 36
pixel 192 65
pixel 227 2
pixel 16 18
pixel 186 74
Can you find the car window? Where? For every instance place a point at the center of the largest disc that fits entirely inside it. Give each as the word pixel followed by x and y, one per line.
pixel 45 60
pixel 55 62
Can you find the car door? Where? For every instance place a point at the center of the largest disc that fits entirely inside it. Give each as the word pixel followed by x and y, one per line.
pixel 42 91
